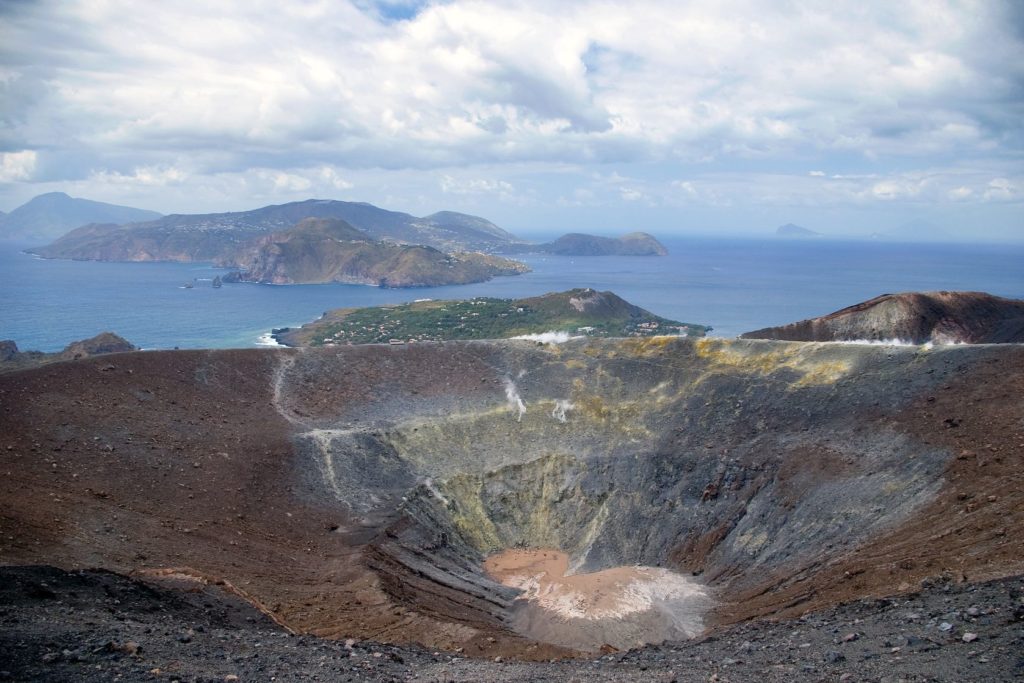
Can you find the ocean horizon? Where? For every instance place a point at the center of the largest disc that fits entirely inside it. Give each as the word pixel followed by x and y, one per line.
pixel 735 285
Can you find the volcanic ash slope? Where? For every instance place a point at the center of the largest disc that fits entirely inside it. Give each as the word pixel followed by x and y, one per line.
pixel 355 492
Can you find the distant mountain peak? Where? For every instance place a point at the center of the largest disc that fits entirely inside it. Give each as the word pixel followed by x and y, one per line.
pixel 48 216
pixel 216 236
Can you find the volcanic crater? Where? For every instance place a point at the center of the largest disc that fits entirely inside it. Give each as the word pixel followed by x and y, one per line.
pixel 435 493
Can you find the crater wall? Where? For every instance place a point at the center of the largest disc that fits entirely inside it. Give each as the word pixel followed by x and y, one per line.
pixel 354 492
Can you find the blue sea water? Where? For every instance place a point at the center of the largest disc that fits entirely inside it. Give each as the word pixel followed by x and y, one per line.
pixel 734 285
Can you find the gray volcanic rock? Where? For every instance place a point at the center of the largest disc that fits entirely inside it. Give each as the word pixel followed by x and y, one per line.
pixel 913 317
pixel 51 215
pixel 8 350
pixel 97 626
pixel 219 237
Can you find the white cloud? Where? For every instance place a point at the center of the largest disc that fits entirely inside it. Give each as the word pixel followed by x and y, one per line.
pixel 15 166
pixel 688 188
pixel 463 81
pixel 960 193
pixel 264 99
pixel 453 185
pixel 1002 189
pixel 147 175
pixel 631 194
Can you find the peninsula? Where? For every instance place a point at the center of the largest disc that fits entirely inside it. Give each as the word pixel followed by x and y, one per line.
pixel 583 312
pixel 319 250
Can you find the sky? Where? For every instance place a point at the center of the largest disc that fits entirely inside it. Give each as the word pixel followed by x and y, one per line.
pixel 719 117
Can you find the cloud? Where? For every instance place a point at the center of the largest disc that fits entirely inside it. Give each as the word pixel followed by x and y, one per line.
pixel 1002 189
pixel 631 194
pixel 464 82
pixel 148 175
pixel 269 99
pixel 16 166
pixel 688 189
pixel 453 185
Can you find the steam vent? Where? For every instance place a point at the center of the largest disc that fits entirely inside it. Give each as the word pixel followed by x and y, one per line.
pixel 521 500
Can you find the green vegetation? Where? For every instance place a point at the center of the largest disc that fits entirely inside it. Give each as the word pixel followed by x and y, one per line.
pixel 577 312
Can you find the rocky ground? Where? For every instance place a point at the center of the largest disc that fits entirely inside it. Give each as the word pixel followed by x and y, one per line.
pixel 99 626
pixel 792 479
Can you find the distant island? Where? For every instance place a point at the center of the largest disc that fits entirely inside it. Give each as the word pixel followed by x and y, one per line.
pixel 581 244
pixel 913 317
pixel 792 230
pixel 319 250
pixel 313 241
pixel 584 312
pixel 217 237
pixel 318 241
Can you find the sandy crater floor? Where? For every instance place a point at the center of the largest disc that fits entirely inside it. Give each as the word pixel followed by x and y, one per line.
pixel 620 607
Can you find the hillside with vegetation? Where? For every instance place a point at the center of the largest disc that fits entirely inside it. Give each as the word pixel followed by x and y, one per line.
pixel 583 312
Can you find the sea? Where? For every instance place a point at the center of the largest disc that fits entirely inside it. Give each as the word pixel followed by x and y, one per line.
pixel 734 285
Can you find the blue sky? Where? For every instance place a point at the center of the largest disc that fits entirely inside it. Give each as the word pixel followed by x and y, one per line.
pixel 690 117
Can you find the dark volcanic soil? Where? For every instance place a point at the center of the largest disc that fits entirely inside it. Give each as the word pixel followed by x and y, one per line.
pixel 355 492
pixel 96 626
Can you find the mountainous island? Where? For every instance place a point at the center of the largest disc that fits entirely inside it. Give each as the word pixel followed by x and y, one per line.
pixel 584 312
pixel 792 230
pixel 297 242
pixel 318 250
pixel 50 215
pixel 913 317
pixel 345 242
pixel 217 237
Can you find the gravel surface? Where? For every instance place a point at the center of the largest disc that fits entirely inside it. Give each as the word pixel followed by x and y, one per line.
pixel 100 626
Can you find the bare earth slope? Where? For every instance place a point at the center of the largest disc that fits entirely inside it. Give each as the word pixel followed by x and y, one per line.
pixel 914 317
pixel 354 492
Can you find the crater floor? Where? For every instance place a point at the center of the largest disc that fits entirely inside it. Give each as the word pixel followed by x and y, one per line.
pixel 616 608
